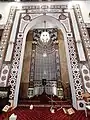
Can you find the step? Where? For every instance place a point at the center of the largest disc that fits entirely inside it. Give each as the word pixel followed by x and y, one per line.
pixel 44 105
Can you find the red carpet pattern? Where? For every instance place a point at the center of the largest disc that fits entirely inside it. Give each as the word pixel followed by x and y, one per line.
pixel 45 114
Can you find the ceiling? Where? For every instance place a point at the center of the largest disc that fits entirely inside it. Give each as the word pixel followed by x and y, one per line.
pixel 39 0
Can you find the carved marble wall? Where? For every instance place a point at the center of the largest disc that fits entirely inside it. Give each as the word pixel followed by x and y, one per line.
pixel 20 21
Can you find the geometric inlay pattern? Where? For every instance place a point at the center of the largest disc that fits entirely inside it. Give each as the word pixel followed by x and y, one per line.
pixel 75 68
pixel 18 47
pixel 6 33
pixel 83 30
pixel 73 60
pixel 15 64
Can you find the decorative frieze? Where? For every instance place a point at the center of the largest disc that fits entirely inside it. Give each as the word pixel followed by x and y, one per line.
pixel 45 7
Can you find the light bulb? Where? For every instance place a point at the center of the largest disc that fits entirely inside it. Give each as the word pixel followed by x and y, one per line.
pixel 44 54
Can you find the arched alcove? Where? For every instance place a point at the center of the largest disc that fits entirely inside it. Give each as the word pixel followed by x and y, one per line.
pixel 27 53
pixel 30 26
pixel 25 77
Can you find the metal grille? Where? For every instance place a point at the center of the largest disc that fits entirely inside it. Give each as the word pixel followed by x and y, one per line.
pixel 45 67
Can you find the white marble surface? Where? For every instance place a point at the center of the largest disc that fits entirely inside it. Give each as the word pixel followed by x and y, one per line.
pixel 88 107
pixel 77 37
pixel 80 51
pixel 12 38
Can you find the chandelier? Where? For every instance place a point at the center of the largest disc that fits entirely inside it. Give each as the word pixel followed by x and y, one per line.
pixel 45 37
